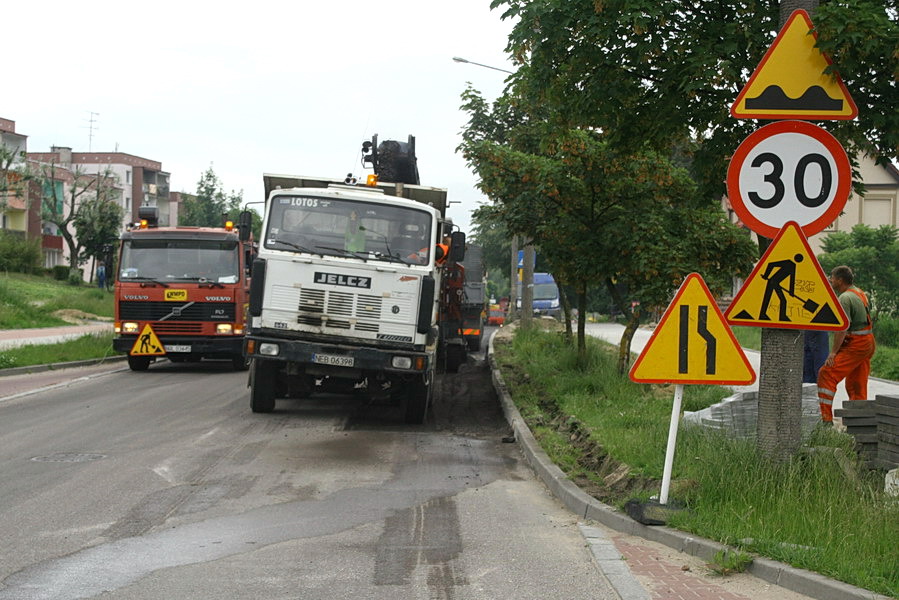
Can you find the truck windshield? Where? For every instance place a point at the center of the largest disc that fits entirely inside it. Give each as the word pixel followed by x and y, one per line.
pixel 180 260
pixel 348 228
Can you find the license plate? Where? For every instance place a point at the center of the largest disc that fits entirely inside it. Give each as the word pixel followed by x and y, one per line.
pixel 177 348
pixel 333 359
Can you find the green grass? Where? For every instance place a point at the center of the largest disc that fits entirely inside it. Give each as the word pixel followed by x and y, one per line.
pixel 821 512
pixel 83 348
pixel 28 301
pixel 884 364
pixel 748 337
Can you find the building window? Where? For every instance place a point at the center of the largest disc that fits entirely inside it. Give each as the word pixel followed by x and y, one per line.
pixel 877 212
pixel 128 176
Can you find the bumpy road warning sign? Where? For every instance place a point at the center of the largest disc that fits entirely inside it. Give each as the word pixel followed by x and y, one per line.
pixel 789 82
pixel 147 344
pixel 693 343
pixel 787 289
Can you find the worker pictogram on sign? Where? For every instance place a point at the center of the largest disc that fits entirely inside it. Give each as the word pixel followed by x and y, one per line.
pixel 787 289
pixel 790 83
pixel 693 343
pixel 147 344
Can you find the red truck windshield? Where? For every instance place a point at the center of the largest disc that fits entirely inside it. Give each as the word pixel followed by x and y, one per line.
pixel 180 260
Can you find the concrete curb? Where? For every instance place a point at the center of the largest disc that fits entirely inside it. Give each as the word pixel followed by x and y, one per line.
pixel 60 366
pixel 585 506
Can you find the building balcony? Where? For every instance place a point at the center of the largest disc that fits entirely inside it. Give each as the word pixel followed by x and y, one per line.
pixel 51 242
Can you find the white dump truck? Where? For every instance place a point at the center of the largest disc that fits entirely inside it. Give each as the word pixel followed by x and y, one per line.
pixel 348 291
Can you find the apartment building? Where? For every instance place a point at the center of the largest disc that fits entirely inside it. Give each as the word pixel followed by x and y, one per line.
pixel 142 181
pixel 138 182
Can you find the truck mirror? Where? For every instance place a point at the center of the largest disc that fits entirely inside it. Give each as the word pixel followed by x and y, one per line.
pixel 457 246
pixel 245 225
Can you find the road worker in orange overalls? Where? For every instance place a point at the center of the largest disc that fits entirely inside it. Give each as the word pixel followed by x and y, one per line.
pixel 851 350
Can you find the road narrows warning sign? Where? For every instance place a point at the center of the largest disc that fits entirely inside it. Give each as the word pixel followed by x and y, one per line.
pixel 693 343
pixel 787 289
pixel 789 82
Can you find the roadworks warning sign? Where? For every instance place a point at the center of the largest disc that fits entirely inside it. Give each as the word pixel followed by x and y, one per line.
pixel 147 344
pixel 787 289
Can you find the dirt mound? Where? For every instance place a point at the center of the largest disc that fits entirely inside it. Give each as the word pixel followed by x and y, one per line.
pixel 77 317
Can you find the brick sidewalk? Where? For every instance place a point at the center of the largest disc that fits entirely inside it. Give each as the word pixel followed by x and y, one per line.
pixel 13 338
pixel 666 580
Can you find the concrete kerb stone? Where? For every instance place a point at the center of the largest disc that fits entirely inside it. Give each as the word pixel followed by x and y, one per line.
pixel 585 506
pixel 59 366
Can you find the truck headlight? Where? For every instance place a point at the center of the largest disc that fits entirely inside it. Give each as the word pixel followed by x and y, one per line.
pixel 130 327
pixel 401 362
pixel 223 329
pixel 268 349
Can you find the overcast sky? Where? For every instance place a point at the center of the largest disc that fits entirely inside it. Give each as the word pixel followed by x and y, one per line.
pixel 253 87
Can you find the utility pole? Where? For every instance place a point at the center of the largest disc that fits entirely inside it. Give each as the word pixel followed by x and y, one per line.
pixel 513 281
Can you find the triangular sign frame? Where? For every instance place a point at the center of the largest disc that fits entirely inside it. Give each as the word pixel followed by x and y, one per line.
pixel 789 82
pixel 817 298
pixel 693 343
pixel 147 344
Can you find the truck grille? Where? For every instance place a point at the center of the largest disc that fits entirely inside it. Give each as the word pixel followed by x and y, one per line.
pixel 339 310
pixel 183 311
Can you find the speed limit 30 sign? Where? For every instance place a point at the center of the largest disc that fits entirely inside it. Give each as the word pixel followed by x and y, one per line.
pixel 789 171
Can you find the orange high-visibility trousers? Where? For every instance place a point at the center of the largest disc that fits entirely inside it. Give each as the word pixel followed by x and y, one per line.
pixel 852 362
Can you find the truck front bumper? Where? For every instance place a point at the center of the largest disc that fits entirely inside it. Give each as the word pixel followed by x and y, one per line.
pixel 337 359
pixel 224 347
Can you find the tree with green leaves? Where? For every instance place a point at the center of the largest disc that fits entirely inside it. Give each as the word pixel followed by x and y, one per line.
pixel 493 237
pixel 873 255
pixel 66 193
pixel 664 74
pixel 602 216
pixel 210 206
pixel 99 223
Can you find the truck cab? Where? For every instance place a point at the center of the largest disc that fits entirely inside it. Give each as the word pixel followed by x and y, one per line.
pixel 346 292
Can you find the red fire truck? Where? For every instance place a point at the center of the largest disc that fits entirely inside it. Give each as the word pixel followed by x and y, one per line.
pixel 181 292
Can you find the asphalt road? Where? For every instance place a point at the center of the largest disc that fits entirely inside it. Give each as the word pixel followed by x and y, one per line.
pixel 163 484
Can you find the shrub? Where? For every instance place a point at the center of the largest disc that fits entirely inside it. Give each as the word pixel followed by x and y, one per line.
pixel 18 254
pixel 60 272
pixel 885 363
pixel 886 330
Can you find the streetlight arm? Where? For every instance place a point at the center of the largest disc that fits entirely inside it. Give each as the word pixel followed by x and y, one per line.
pixel 463 60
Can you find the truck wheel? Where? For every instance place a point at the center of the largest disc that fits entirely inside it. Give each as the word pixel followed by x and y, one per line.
pixel 262 386
pixel 239 363
pixel 474 343
pixel 139 363
pixel 418 398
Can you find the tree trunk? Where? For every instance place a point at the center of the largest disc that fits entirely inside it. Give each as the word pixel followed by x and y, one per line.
pixel 566 311
pixel 582 319
pixel 624 346
pixel 780 377
pixel 527 287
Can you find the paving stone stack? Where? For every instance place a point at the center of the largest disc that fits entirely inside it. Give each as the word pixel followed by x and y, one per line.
pixel 887 412
pixel 860 419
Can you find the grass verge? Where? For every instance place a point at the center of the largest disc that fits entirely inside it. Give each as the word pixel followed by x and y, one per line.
pixel 884 364
pixel 820 512
pixel 82 348
pixel 27 301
